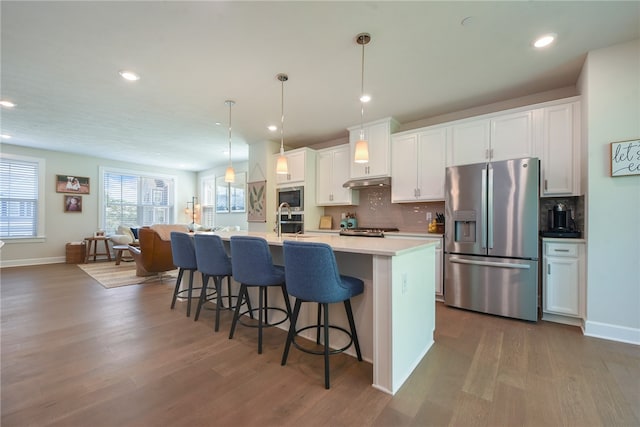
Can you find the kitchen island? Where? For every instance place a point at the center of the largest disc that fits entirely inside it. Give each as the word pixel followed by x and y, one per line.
pixel 395 316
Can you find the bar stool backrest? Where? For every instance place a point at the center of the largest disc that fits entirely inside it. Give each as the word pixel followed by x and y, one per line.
pixel 183 251
pixel 312 273
pixel 211 255
pixel 252 263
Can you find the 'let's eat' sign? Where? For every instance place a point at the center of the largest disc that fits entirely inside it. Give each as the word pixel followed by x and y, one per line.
pixel 625 158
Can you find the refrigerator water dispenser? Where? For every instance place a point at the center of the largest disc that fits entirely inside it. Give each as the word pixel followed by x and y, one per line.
pixel 464 226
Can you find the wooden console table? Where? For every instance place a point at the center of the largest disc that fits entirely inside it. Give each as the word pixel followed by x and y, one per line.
pixel 92 248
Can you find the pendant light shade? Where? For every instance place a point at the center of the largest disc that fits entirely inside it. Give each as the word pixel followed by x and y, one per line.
pixel 230 174
pixel 361 154
pixel 282 168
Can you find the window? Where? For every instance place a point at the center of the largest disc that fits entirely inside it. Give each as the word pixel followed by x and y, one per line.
pixel 208 197
pixel 135 199
pixel 21 197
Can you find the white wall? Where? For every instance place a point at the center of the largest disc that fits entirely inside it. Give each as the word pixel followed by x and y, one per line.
pixel 61 227
pixel 610 84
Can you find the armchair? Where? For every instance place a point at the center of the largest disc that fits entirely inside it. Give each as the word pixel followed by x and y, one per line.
pixel 153 255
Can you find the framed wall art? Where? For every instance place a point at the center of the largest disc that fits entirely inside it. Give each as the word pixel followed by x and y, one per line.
pixel 73 203
pixel 625 158
pixel 72 184
pixel 257 201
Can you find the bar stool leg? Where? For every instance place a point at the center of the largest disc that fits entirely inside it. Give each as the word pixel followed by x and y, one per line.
pixel 261 298
pixel 325 307
pixel 203 295
pixel 175 291
pixel 352 325
pixel 292 330
pixel 189 292
pixel 236 313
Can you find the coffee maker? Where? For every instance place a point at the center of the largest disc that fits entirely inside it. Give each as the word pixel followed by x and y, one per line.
pixel 560 222
pixel 559 218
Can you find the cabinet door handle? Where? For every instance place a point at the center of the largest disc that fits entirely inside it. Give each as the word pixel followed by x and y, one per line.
pixel 486 153
pixel 561 250
pixel 548 269
pixel 545 185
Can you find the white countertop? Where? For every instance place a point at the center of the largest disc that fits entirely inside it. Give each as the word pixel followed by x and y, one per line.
pixel 361 245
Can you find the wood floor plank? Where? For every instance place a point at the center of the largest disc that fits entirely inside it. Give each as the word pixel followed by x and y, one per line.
pixel 76 354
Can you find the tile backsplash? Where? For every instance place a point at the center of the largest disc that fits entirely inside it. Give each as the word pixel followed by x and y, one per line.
pixel 576 204
pixel 377 211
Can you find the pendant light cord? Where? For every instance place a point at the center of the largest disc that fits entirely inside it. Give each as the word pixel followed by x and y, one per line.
pixel 282 80
pixel 230 105
pixel 362 94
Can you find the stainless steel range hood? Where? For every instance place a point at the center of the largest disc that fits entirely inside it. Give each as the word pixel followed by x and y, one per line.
pixel 354 184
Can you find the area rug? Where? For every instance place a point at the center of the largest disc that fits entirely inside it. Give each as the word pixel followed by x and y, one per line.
pixel 110 275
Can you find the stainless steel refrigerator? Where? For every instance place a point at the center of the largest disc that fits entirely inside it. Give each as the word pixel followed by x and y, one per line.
pixel 491 237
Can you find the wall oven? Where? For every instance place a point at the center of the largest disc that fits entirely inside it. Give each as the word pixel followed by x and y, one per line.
pixel 293 225
pixel 294 196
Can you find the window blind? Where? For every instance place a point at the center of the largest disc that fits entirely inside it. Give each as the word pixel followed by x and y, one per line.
pixel 19 195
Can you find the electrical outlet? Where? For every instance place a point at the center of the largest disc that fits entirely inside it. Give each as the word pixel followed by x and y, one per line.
pixel 429 216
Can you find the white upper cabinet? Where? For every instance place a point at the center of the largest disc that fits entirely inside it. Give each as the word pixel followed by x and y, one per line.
pixel 560 159
pixel 469 143
pixel 296 164
pixel 512 136
pixel 331 172
pixel 378 135
pixel 418 165
pixel 503 137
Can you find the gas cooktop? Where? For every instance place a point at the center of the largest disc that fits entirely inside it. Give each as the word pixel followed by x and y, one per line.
pixel 366 232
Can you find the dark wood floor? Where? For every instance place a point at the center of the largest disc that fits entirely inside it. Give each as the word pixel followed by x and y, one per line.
pixel 76 354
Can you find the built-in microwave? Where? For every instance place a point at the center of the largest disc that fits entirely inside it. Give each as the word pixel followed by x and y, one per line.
pixel 294 196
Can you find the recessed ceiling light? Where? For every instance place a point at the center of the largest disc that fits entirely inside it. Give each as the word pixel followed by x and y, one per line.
pixel 544 41
pixel 365 98
pixel 129 75
pixel 7 104
pixel 218 123
pixel 5 136
pixel 272 128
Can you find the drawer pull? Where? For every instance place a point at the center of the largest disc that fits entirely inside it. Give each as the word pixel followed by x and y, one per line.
pixel 561 250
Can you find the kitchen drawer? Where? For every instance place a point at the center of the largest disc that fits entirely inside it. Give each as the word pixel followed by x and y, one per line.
pixel 562 249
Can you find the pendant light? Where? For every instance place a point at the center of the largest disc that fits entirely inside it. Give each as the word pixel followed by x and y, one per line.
pixel 362 146
pixel 230 174
pixel 282 168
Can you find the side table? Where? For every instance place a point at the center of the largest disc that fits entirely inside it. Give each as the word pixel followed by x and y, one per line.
pixel 92 247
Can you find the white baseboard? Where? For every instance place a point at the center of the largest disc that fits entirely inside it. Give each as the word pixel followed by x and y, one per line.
pixel 32 261
pixel 612 332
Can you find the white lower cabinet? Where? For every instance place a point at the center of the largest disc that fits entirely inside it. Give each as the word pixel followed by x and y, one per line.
pixel 563 281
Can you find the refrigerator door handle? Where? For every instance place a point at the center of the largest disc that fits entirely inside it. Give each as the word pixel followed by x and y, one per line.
pixel 490 208
pixel 456 260
pixel 483 213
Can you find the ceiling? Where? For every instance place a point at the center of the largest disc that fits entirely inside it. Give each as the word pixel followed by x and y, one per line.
pixel 60 64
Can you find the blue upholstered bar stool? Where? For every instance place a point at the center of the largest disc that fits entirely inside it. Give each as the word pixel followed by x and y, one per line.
pixel 214 262
pixel 312 276
pixel 184 257
pixel 252 266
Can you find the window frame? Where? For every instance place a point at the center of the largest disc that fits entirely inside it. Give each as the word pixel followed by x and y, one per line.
pixel 40 226
pixel 102 170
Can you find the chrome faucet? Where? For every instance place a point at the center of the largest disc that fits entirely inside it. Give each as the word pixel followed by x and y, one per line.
pixel 279 220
